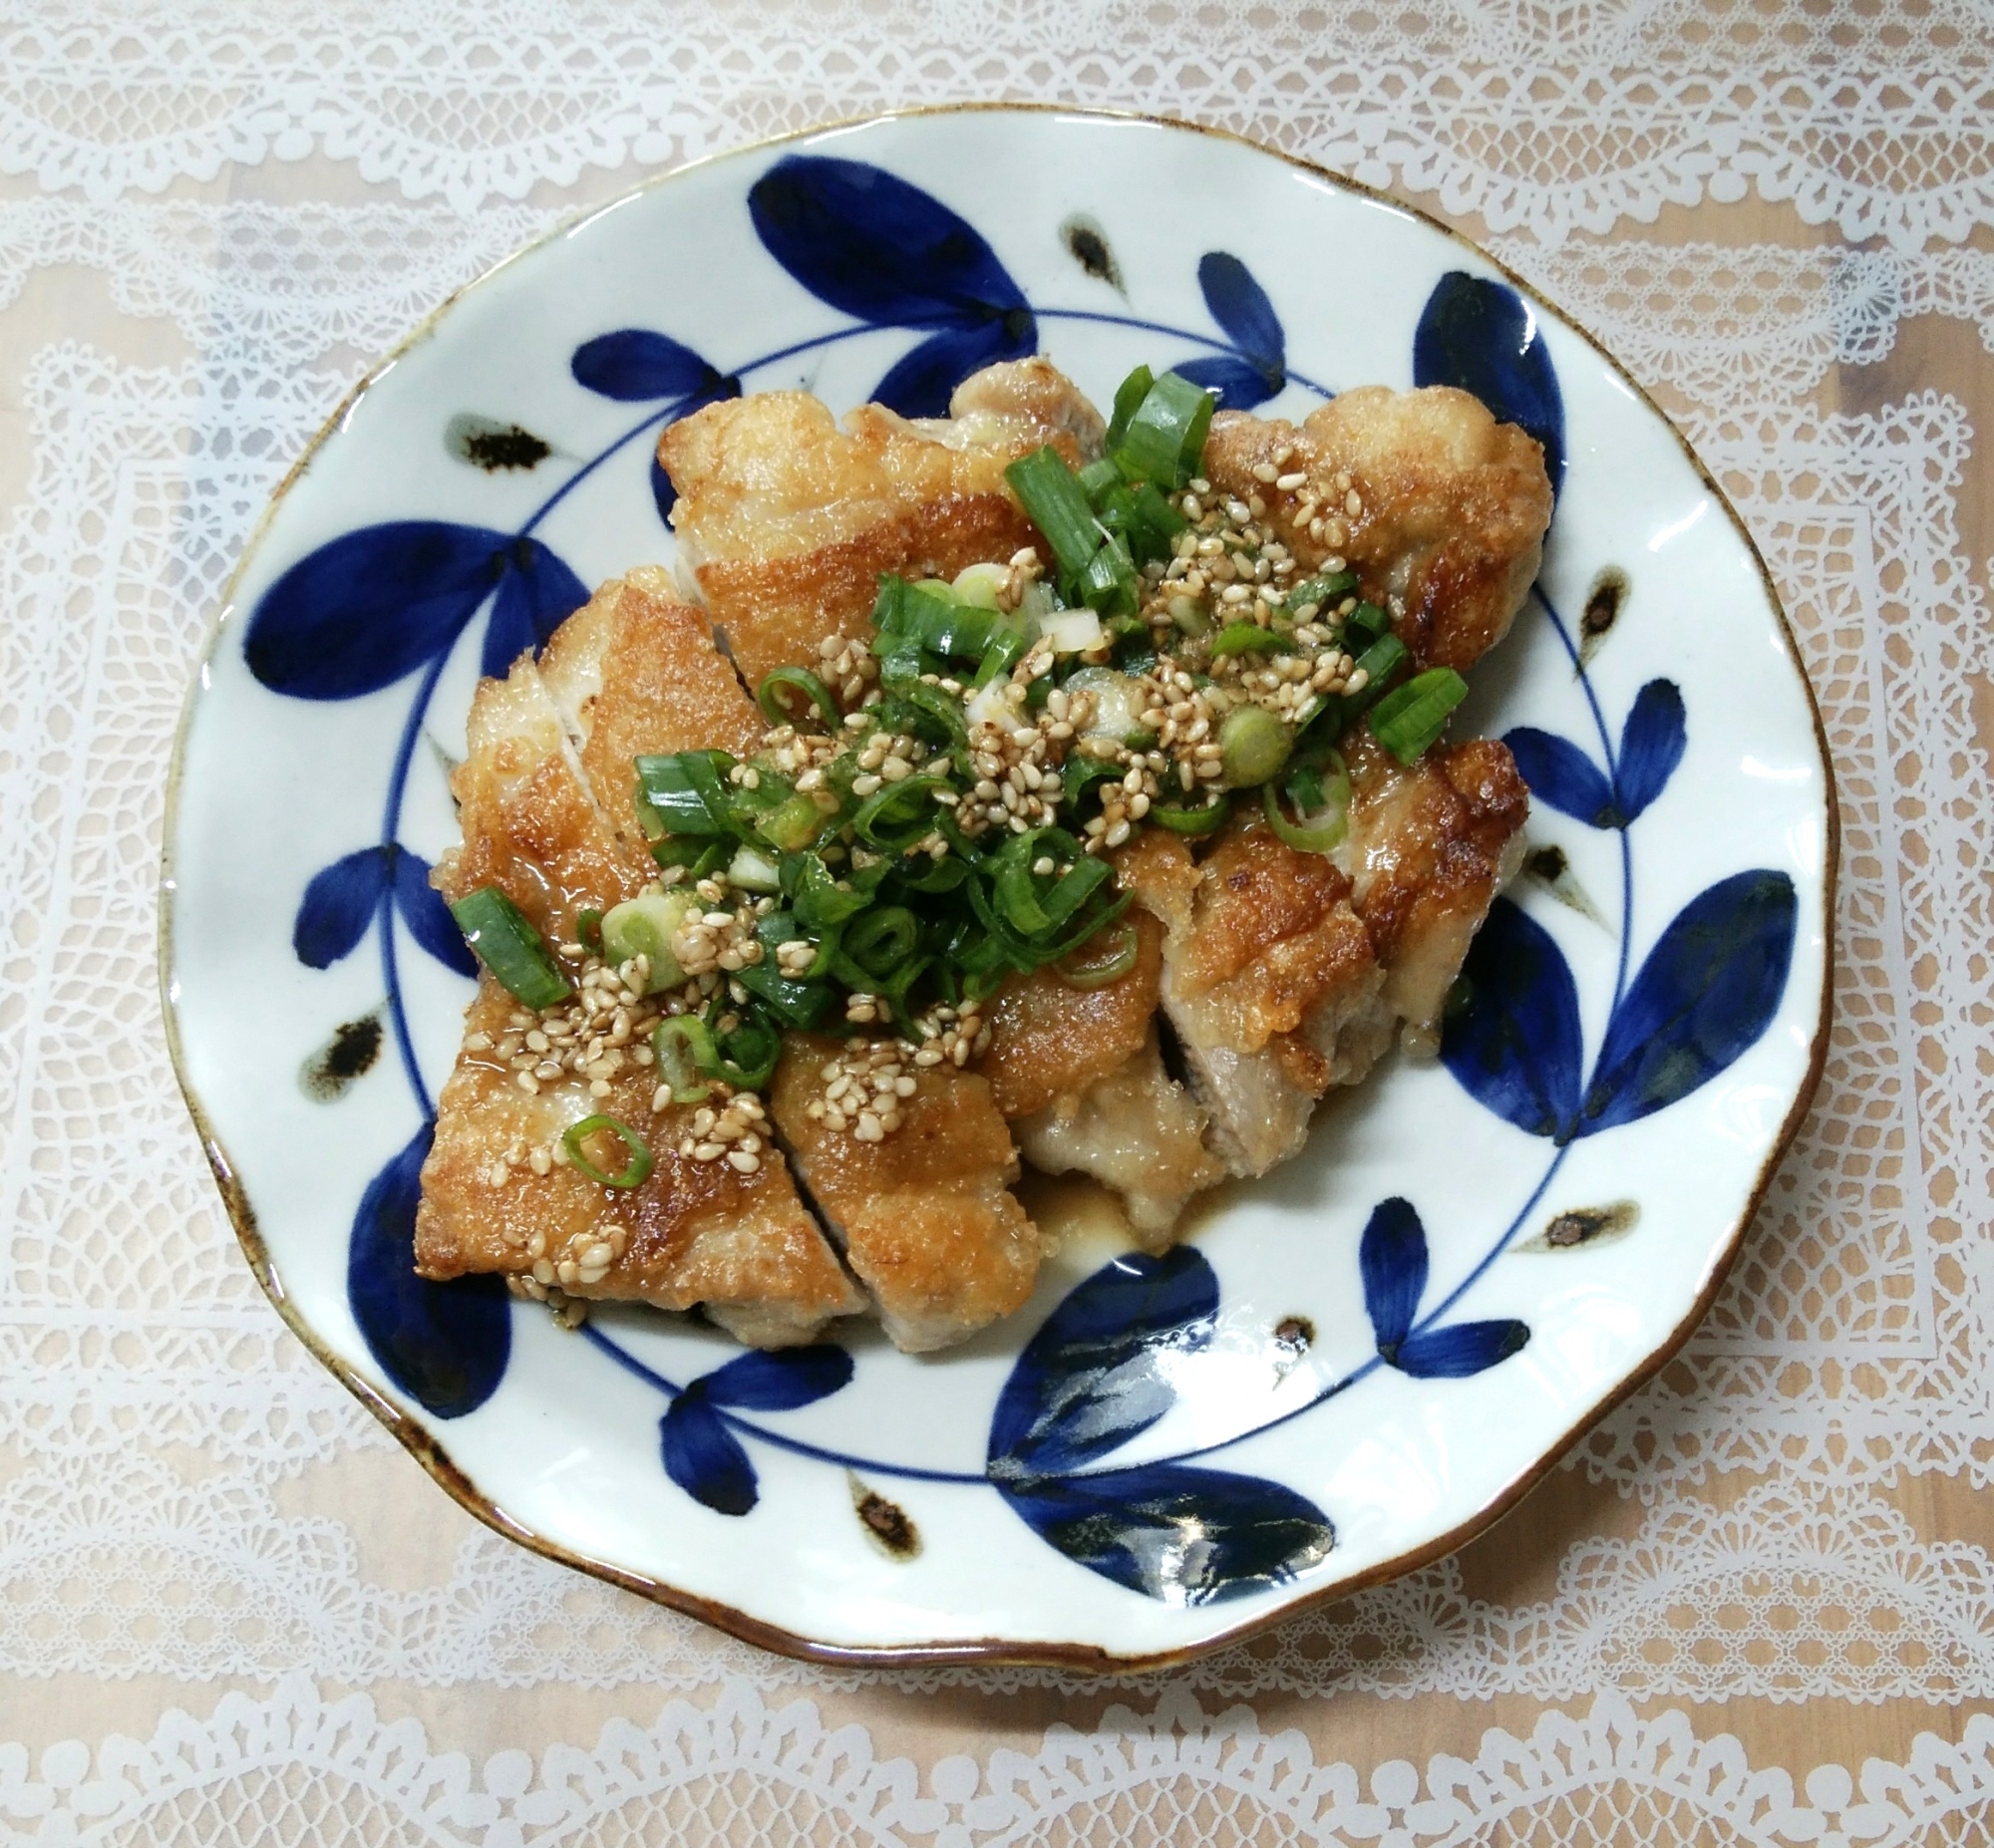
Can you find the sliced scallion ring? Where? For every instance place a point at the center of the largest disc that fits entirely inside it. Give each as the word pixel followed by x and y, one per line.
pixel 811 690
pixel 1412 717
pixel 635 1172
pixel 1323 824
pixel 506 944
pixel 686 1055
pixel 1103 958
pixel 1192 822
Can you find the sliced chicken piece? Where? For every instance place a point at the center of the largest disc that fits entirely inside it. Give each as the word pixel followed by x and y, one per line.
pixel 1137 1130
pixel 1080 1076
pixel 531 825
pixel 1049 1038
pixel 1269 982
pixel 634 672
pixel 1440 509
pixel 787 521
pixel 926 1216
pixel 694 1232
pixel 1430 847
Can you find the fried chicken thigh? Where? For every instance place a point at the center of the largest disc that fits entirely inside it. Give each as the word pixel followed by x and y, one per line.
pixel 1440 509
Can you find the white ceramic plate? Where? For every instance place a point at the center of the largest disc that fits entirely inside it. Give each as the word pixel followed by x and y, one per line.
pixel 1357 1362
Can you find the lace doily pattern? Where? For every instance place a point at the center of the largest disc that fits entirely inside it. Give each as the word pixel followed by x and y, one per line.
pixel 1849 1342
pixel 737 1766
pixel 1544 118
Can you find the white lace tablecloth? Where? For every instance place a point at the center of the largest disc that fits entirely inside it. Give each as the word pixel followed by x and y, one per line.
pixel 1757 1606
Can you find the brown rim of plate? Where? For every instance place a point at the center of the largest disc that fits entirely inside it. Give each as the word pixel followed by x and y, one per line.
pixel 424 1447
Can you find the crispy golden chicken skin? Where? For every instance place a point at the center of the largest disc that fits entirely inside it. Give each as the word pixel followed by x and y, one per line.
pixel 695 1232
pixel 1049 1038
pixel 926 1216
pixel 634 672
pixel 1079 1073
pixel 788 520
pixel 1440 509
pixel 1273 987
pixel 531 825
pixel 1430 848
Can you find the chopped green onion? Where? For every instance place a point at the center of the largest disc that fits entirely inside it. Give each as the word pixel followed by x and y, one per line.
pixel 1128 396
pixel 1109 583
pixel 509 946
pixel 588 929
pixel 941 713
pixel 1154 524
pixel 1098 480
pixel 1166 437
pixel 795 1004
pixel 1248 637
pixel 753 871
pixel 645 926
pixel 899 815
pixel 804 682
pixel 698 857
pixel 1098 967
pixel 1384 658
pixel 1325 593
pixel 1411 717
pixel 978 584
pixel 1253 746
pixel 1322 810
pixel 635 1172
pixel 1005 649
pixel 882 940
pixel 686 1055
pixel 687 792
pixel 1054 503
pixel 1073 887
pixel 1192 822
pixel 748 1053
pixel 1364 624
pixel 819 900
pixel 792 824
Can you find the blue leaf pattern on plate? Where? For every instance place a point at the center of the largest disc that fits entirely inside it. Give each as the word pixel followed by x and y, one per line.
pixel 1708 990
pixel 1651 745
pixel 1240 307
pixel 779 1380
pixel 1088 1379
pixel 1462 1349
pixel 1237 384
pixel 537 594
pixel 445 1344
pixel 338 905
pixel 636 364
pixel 1185 1536
pixel 1479 335
pixel 427 916
pixel 1562 775
pixel 375 604
pixel 372 605
pixel 1392 1260
pixel 877 248
pixel 893 255
pixel 705 1458
pixel 1516 1046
